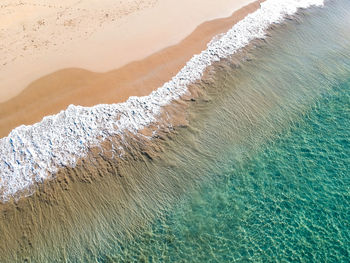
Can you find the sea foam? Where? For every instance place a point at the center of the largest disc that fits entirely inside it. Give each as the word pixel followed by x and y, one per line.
pixel 31 154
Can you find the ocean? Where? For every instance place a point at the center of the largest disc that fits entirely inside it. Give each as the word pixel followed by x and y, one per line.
pixel 251 164
pixel 287 199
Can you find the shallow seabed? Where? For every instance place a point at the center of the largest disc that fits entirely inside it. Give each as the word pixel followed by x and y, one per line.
pixel 283 196
pixel 288 203
pixel 255 170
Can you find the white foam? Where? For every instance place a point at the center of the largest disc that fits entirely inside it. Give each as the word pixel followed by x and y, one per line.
pixel 31 154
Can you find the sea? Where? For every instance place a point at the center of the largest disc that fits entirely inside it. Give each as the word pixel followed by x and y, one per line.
pixel 277 187
pixel 259 171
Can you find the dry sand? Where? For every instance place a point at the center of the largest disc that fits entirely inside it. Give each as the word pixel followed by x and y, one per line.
pixel 81 39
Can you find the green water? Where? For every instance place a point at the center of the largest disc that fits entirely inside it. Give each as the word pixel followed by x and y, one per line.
pixel 288 203
pixel 261 172
pixel 287 197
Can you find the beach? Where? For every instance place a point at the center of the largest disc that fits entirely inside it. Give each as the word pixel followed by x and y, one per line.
pixel 128 58
pixel 220 134
pixel 33 153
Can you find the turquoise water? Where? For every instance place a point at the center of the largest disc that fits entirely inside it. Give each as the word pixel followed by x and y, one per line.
pixel 289 199
pixel 260 173
pixel 288 203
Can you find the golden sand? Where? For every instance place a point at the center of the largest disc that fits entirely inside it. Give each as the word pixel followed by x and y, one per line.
pixel 39 37
pixel 54 92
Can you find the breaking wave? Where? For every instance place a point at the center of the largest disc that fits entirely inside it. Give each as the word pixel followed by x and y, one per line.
pixel 31 154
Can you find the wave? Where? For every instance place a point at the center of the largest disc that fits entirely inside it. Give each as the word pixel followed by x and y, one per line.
pixel 32 154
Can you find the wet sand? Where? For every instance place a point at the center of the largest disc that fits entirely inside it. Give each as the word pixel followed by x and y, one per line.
pixel 54 92
pixel 104 200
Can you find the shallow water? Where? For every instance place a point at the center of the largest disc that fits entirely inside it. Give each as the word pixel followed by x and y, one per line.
pixel 277 187
pixel 260 173
pixel 289 202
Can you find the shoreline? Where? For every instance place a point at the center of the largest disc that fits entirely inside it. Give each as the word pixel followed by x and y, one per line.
pixel 104 197
pixel 55 92
pixel 32 154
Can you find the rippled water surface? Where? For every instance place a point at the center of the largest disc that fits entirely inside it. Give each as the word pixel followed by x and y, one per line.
pixel 258 172
pixel 287 200
pixel 290 202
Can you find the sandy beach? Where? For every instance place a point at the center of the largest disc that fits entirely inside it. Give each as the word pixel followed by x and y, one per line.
pixel 119 56
pixel 213 141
